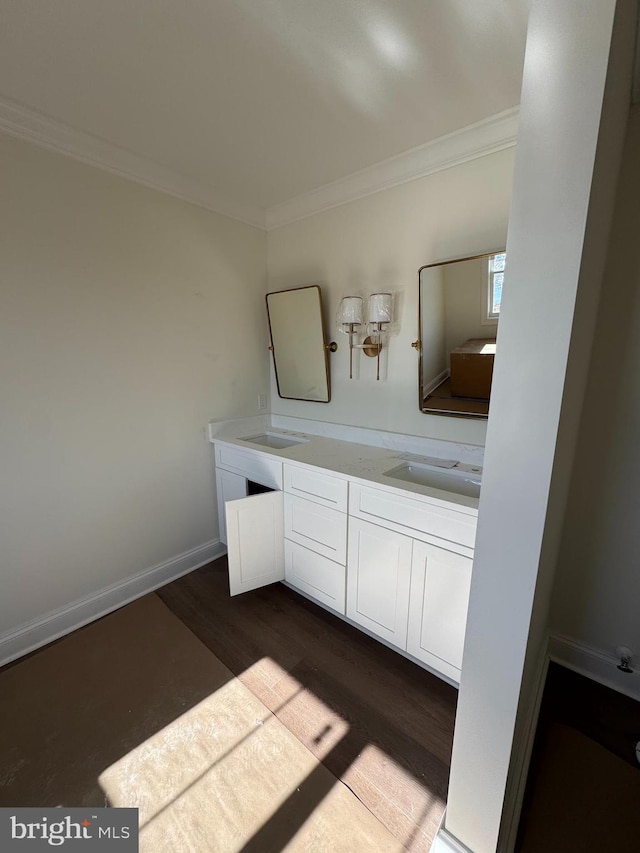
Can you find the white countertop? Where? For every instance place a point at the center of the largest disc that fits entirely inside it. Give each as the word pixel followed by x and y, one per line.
pixel 357 461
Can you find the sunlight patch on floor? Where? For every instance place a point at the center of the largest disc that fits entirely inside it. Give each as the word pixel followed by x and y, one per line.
pixel 228 775
pixel 385 782
pixel 313 722
pixel 227 759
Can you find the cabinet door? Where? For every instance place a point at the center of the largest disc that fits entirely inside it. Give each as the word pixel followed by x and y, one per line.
pixel 378 580
pixel 229 487
pixel 440 583
pixel 255 541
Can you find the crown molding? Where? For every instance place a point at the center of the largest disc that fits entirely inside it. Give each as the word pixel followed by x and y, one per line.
pixel 24 123
pixel 476 140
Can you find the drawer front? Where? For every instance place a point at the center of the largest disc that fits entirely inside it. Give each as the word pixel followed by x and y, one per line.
pixel 316 527
pixel 420 520
pixel 315 575
pixel 316 486
pixel 254 466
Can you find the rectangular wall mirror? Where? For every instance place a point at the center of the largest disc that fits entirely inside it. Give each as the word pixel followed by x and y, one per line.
pixel 459 308
pixel 300 356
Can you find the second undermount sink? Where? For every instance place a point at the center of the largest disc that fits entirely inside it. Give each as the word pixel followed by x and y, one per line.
pixel 275 440
pixel 461 483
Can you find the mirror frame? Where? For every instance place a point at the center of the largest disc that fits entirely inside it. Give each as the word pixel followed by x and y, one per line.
pixel 325 347
pixel 443 412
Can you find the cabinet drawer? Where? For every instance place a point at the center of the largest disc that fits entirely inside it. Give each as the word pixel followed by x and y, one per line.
pixel 426 521
pixel 316 527
pixel 254 466
pixel 316 486
pixel 315 575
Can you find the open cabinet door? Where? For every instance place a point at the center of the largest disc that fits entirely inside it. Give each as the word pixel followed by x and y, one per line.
pixel 255 541
pixel 229 487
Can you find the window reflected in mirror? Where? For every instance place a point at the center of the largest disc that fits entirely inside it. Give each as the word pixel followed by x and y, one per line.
pixel 495 279
pixel 459 310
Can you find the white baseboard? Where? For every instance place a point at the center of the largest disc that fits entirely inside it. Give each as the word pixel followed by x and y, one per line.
pixel 585 660
pixel 431 386
pixel 595 664
pixel 41 631
pixel 444 842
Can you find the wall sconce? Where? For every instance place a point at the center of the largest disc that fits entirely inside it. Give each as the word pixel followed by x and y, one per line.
pixel 350 319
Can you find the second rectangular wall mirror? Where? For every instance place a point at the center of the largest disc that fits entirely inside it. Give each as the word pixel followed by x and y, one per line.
pixel 300 355
pixel 459 309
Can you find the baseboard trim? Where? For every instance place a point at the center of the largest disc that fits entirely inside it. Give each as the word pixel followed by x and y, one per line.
pixel 594 663
pixel 41 631
pixel 431 386
pixel 444 842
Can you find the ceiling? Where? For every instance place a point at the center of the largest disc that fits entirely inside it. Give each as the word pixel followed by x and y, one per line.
pixel 260 101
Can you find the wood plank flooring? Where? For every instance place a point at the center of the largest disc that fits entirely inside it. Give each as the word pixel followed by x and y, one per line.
pixel 378 722
pixel 583 786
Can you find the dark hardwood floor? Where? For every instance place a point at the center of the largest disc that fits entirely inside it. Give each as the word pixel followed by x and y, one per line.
pixel 381 724
pixel 604 715
pixel 583 787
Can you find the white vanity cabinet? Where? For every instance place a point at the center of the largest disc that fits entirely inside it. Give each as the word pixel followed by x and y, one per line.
pixel 315 535
pixel 394 562
pixel 298 536
pixel 409 573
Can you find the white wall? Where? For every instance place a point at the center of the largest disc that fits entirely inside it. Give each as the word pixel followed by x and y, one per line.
pixel 435 357
pixel 576 83
pixel 597 592
pixel 128 320
pixel 379 243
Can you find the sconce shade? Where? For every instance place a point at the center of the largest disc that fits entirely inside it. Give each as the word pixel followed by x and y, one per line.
pixel 350 310
pixel 380 308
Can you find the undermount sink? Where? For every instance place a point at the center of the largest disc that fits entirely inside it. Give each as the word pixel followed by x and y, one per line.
pixel 423 475
pixel 275 440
